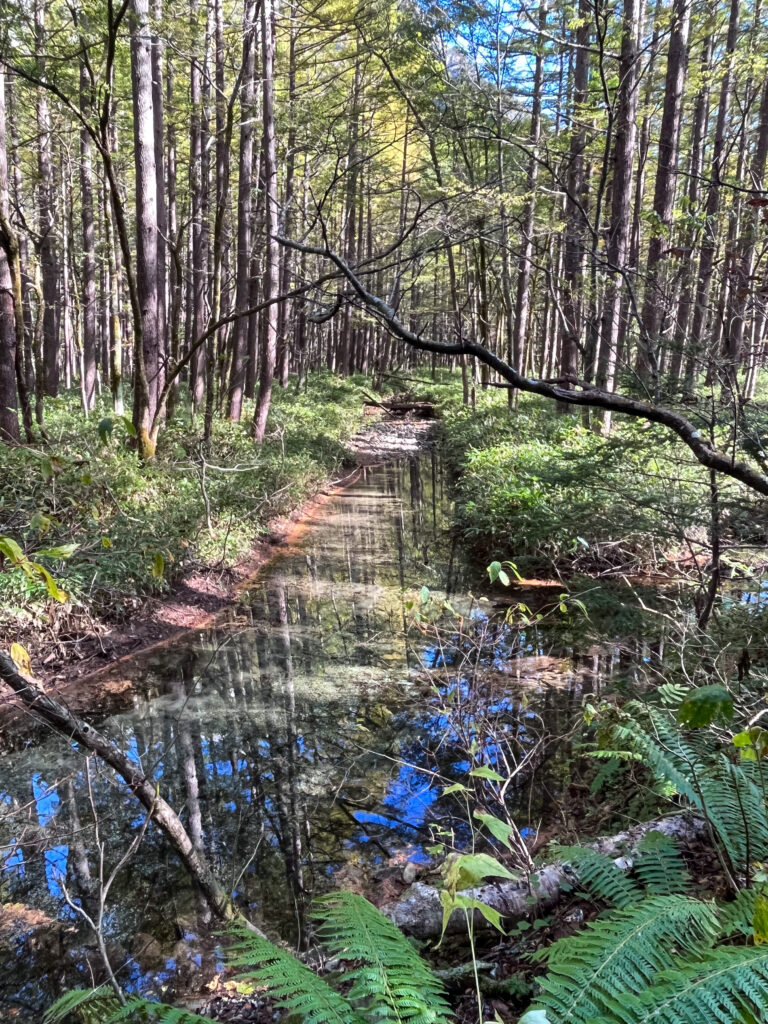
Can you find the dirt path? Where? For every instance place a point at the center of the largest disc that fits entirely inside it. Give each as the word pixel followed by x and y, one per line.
pixel 89 674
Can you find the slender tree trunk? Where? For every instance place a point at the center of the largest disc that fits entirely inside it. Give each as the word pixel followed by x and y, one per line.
pixel 9 419
pixel 699 324
pixel 271 215
pixel 573 240
pixel 89 250
pixel 655 299
pixel 244 211
pixel 158 106
pixel 618 238
pixel 522 301
pixel 146 346
pixel 46 218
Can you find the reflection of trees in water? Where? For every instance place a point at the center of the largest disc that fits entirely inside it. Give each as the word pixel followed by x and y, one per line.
pixel 255 736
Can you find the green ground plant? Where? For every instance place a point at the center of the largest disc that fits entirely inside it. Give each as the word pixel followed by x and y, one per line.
pixel 82 509
pixel 554 495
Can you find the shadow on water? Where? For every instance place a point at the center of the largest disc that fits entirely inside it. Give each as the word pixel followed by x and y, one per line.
pixel 295 741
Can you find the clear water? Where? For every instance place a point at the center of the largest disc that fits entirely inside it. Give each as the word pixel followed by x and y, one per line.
pixel 302 743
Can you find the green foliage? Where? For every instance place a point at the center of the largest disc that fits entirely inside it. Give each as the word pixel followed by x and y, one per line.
pixel 599 875
pixel 114 529
pixel 592 974
pixel 385 970
pixel 547 491
pixel 705 705
pixel 295 988
pixel 390 983
pixel 659 865
pixel 729 793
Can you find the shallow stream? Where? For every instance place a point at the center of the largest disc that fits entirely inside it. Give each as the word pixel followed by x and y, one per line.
pixel 305 743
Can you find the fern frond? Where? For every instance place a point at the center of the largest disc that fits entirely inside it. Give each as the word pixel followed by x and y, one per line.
pixel 729 985
pixel 92 1005
pixel 599 875
pixel 730 795
pixel 659 865
pixel 621 953
pixel 738 916
pixel 101 1006
pixel 392 977
pixel 148 1012
pixel 294 987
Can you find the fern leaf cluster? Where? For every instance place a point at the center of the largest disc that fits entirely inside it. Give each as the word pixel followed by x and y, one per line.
pixel 386 969
pixel 599 875
pixel 391 984
pixel 729 794
pixel 619 954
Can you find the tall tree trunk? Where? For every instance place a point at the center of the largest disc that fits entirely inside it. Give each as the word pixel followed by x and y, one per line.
pixel 573 243
pixel 9 419
pixel 522 300
pixel 146 346
pixel 158 106
pixel 244 212
pixel 655 299
pixel 618 237
pixel 46 218
pixel 712 210
pixel 271 213
pixel 197 154
pixel 89 249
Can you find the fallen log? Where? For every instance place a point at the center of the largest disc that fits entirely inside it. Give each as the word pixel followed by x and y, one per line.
pixel 420 913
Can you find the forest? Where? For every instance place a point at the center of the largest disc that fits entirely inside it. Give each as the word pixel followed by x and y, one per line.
pixel 384 511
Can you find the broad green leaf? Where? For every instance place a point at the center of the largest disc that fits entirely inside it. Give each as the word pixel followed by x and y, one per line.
pixel 498 828
pixel 50 584
pixel 469 869
pixel 760 920
pixel 704 705
pixel 128 424
pixel 535 1017
pixel 158 566
pixel 493 571
pixel 63 551
pixel 486 772
pixel 105 428
pixel 459 902
pixel 11 549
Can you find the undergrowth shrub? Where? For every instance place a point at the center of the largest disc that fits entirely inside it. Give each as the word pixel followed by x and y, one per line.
pixel 541 489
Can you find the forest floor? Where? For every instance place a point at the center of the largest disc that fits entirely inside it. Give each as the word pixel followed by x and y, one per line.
pixel 78 652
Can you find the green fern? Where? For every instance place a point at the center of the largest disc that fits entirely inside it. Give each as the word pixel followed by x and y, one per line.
pixel 294 986
pixel 93 1006
pixel 731 796
pixel 599 875
pixel 391 975
pixel 620 953
pixel 659 865
pixel 391 984
pixel 729 985
pixel 101 1006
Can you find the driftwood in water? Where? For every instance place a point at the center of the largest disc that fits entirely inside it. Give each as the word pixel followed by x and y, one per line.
pixel 402 406
pixel 420 913
pixel 51 711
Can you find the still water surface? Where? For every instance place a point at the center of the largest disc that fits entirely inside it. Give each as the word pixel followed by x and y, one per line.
pixel 299 741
